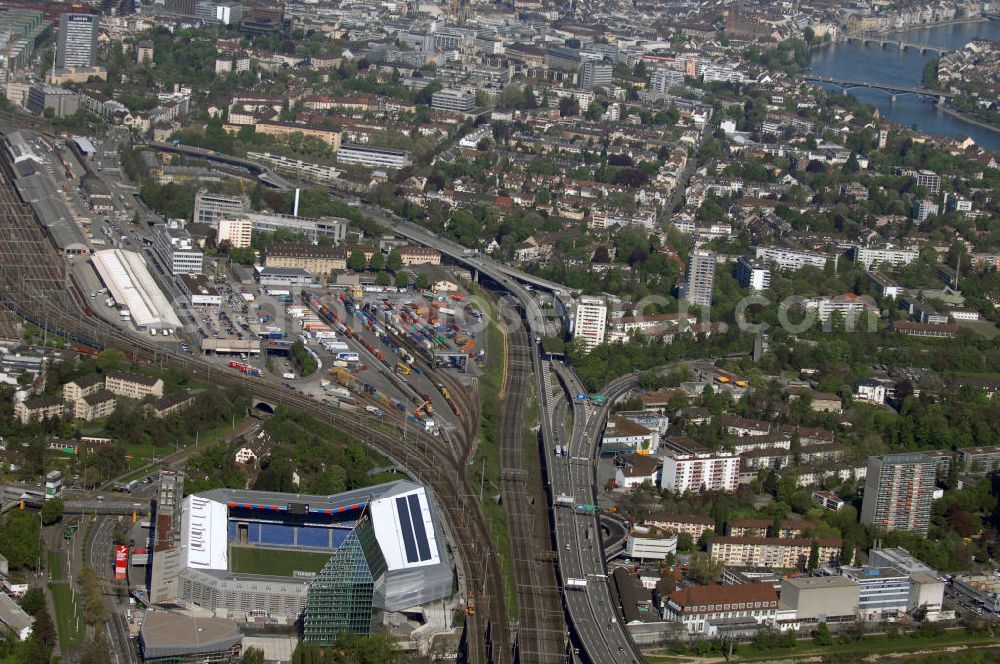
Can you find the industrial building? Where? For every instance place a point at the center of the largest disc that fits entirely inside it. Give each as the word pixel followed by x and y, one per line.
pixel 331 228
pixel 133 289
pixel 389 534
pixel 209 207
pixel 821 598
pixel 37 189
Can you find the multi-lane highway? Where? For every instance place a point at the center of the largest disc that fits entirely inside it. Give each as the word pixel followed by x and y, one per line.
pixel 594 615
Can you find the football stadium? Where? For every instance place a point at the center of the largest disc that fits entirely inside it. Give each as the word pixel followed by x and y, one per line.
pixel 340 562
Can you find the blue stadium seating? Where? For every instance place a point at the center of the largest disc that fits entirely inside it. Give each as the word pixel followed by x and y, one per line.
pixel 315 537
pixel 275 534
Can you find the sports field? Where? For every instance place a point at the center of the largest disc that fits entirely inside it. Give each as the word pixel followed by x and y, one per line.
pixel 274 562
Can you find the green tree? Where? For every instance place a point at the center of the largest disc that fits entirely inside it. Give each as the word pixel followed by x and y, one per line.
pixel 822 635
pixel 813 556
pixel 382 279
pixel 402 279
pixel 253 656
pixel 685 542
pixel 357 261
pixel 33 600
pixel 395 261
pixel 52 511
pixel 421 281
pixel 95 610
pixel 110 359
pixel 377 262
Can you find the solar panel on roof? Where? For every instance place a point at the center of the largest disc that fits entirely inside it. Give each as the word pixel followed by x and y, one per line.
pixel 418 527
pixel 406 530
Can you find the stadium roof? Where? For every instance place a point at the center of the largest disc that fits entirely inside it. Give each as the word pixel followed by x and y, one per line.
pixel 175 635
pixel 402 513
pixel 130 283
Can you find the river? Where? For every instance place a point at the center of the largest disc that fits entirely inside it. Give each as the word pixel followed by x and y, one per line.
pixel 890 65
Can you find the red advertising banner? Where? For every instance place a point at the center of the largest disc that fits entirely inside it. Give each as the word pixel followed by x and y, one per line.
pixel 121 562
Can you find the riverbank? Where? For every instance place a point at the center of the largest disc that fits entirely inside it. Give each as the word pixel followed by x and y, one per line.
pixel 965 117
pixel 927 26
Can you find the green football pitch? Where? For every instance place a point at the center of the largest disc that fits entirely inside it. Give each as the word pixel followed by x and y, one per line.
pixel 274 562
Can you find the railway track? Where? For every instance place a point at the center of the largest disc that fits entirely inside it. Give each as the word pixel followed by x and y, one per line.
pixel 541 631
pixel 36 284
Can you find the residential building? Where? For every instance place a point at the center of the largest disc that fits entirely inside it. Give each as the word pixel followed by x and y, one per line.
pixel 891 256
pixel 821 598
pixel 370 156
pixel 784 553
pixel 697 606
pixel 790 259
pixel 624 435
pixel 453 100
pixel 698 280
pixel 420 256
pixel 664 79
pixel 692 524
pixel 752 274
pixel 635 470
pixel 980 459
pixel 209 207
pixel 590 321
pixel 698 471
pixel 788 528
pixel 15 618
pixel 651 419
pixel 144 52
pixel 646 543
pixel 828 500
pixel 236 231
pixel 81 387
pixel 329 135
pixel 954 203
pixel 134 386
pixel 38 408
pixel 595 74
pixel 314 258
pixel 924 208
pixel 885 286
pixel 870 391
pixel 884 591
pixel 851 308
pixel 77 45
pixel 929 179
pixel 915 329
pixel 169 404
pixel 93 406
pixel 898 492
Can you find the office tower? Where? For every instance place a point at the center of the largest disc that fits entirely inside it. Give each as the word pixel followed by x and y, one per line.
pixel 899 490
pixel 697 287
pixel 595 74
pixel 77 46
pixel 591 321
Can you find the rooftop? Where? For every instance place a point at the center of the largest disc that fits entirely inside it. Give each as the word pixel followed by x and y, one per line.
pixel 172 634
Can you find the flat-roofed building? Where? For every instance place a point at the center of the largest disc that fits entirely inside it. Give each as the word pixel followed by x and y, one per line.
pixel 790 259
pixel 884 591
pixel 200 291
pixel 210 207
pixel 645 543
pixel 453 100
pixel 700 471
pixel 237 232
pixel 329 135
pixel 899 490
pixel 364 155
pixel 314 229
pixel 590 321
pixel 177 249
pixel 821 598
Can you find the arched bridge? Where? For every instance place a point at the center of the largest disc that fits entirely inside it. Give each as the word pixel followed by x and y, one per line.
pixel 901 44
pixel 894 90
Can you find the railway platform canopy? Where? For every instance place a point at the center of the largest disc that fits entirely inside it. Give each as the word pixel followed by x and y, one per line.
pixel 132 287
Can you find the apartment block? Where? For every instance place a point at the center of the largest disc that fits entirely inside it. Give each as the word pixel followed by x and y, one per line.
pixel 236 231
pixel 133 386
pixel 590 321
pixel 752 274
pixel 899 490
pixel 697 471
pixel 790 259
pixel 782 553
pixel 93 406
pixel 699 278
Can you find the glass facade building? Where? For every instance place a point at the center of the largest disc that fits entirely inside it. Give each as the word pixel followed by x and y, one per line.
pixel 348 595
